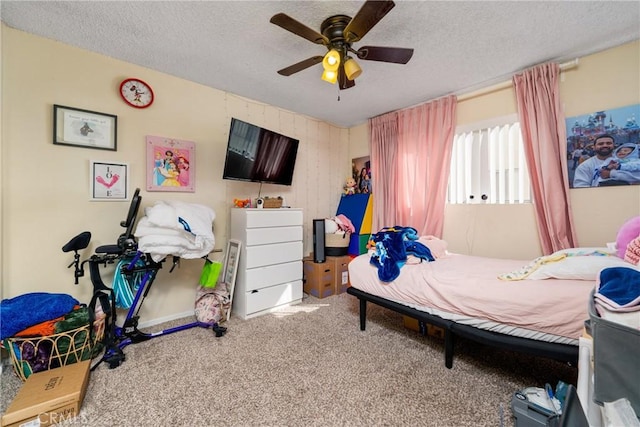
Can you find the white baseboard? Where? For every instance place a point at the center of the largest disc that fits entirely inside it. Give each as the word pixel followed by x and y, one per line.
pixel 166 319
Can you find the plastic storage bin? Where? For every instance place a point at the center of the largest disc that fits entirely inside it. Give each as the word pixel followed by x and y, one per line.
pixel 616 358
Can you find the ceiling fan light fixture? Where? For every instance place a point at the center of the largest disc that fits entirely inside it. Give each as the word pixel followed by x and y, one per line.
pixel 331 60
pixel 330 76
pixel 352 68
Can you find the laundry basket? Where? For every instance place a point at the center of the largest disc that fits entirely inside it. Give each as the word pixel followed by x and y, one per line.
pixel 36 354
pixel 337 244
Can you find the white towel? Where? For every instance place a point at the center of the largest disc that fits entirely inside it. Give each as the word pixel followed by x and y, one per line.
pixel 176 228
pixel 197 219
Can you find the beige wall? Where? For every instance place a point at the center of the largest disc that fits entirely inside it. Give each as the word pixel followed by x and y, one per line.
pixel 605 80
pixel 45 187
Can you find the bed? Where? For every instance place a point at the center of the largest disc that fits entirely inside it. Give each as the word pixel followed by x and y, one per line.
pixel 542 313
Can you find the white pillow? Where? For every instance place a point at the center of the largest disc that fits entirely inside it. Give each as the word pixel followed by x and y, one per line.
pixel 437 247
pixel 577 267
pixel 587 251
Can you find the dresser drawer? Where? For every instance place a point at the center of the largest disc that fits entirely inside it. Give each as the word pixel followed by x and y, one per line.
pixel 265 236
pixel 273 218
pixel 273 296
pixel 259 256
pixel 263 277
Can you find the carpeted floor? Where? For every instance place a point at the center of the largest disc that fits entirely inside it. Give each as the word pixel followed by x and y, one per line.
pixel 308 365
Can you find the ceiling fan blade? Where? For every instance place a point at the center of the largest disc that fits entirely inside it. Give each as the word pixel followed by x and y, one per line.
pixel 367 17
pixel 302 65
pixel 298 29
pixel 397 55
pixel 343 81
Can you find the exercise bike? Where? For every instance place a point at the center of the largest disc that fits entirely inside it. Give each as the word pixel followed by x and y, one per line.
pixel 137 267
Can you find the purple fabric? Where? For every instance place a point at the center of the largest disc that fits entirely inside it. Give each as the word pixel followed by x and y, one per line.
pixel 26 310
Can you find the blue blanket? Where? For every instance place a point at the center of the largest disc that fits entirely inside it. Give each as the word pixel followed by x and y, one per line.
pixel 393 245
pixel 30 309
pixel 620 286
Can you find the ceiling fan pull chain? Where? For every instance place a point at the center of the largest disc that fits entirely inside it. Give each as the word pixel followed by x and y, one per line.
pixel 338 87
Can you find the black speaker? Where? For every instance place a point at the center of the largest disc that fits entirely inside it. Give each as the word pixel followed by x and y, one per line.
pixel 318 240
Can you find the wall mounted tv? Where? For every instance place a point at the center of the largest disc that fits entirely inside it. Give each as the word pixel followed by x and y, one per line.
pixel 259 155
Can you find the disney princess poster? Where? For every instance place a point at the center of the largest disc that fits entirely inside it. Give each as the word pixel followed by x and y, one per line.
pixel 170 164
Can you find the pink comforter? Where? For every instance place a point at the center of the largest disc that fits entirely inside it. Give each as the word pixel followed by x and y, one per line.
pixel 468 286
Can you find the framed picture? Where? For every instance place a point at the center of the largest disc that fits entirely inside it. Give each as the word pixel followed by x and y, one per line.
pixel 171 164
pixel 230 269
pixel 361 173
pixel 84 128
pixel 602 148
pixel 108 181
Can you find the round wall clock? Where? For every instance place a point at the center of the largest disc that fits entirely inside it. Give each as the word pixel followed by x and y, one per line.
pixel 136 93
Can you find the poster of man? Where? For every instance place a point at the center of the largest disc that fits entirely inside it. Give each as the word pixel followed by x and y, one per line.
pixel 603 148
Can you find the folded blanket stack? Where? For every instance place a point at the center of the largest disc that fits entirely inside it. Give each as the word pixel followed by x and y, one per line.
pixel 176 228
pixel 31 309
pixel 34 330
pixel 617 296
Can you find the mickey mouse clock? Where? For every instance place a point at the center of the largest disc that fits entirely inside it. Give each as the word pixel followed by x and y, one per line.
pixel 136 93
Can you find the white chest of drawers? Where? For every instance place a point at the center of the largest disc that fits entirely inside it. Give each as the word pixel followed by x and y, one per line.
pixel 270 265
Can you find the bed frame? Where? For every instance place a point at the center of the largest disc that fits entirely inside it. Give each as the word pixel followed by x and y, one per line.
pixel 561 352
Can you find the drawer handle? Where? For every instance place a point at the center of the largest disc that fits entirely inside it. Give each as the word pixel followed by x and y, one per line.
pixel 254 292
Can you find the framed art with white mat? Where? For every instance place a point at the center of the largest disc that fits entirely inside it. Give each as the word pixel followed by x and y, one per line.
pixel 108 181
pixel 231 259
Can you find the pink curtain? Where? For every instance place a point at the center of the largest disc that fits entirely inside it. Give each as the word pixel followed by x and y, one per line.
pixel 545 143
pixel 383 131
pixel 414 161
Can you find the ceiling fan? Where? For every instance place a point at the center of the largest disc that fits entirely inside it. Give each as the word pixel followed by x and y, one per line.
pixel 337 34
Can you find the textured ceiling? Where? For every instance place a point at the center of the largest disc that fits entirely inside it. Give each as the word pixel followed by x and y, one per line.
pixel 230 45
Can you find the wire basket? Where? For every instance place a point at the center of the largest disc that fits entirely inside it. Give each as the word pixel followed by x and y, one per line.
pixel 36 354
pixel 273 202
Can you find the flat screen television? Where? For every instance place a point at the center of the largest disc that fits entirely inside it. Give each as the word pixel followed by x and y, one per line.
pixel 259 155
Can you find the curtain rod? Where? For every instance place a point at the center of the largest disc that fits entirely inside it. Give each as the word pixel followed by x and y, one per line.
pixel 489 89
pixel 498 86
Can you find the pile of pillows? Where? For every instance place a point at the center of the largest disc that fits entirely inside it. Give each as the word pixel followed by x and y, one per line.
pixel 585 263
pixel 628 241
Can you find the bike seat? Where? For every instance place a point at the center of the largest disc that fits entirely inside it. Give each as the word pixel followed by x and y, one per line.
pixel 109 250
pixel 81 241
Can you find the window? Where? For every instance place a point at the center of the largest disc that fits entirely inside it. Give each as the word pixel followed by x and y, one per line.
pixel 488 166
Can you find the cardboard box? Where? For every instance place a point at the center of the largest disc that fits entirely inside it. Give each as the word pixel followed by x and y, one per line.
pixel 318 278
pixel 49 397
pixel 422 327
pixel 341 272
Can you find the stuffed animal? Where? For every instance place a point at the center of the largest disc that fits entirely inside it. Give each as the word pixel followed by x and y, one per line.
pixel 627 232
pixel 350 187
pixel 242 203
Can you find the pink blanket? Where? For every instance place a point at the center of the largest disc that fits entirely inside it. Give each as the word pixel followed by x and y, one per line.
pixel 468 286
